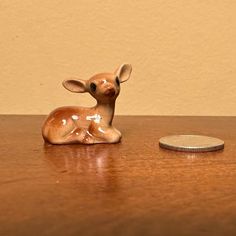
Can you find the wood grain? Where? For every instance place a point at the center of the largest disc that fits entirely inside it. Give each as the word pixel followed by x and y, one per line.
pixel 131 188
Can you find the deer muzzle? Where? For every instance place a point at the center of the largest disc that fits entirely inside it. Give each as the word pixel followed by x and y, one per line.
pixel 110 92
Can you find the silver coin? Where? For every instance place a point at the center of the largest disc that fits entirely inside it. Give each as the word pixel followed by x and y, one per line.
pixel 191 143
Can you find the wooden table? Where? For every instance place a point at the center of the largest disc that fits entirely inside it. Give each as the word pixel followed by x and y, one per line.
pixel 131 188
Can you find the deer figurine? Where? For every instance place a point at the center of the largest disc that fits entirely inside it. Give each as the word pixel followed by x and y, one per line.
pixel 88 125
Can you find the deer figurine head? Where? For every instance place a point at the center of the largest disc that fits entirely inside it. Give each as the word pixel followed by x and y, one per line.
pixel 88 125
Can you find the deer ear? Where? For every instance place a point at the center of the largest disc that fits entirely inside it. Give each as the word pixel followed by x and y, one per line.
pixel 75 86
pixel 123 72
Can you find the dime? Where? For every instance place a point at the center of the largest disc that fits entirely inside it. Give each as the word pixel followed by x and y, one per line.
pixel 191 143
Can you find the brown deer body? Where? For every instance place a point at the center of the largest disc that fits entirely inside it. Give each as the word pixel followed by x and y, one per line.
pixel 67 125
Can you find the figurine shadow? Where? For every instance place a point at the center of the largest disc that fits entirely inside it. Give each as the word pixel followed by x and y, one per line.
pixel 90 165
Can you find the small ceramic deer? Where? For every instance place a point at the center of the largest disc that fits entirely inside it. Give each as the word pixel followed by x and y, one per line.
pixel 67 125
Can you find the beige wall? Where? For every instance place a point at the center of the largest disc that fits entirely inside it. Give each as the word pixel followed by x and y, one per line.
pixel 183 54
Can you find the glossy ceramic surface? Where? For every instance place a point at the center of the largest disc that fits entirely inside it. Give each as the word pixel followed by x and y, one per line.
pixel 84 125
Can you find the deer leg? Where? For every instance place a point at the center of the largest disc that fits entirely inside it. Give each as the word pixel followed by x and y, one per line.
pixel 75 136
pixel 97 134
pixel 68 135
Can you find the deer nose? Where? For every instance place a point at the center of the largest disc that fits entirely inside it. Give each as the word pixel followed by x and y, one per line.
pixel 110 92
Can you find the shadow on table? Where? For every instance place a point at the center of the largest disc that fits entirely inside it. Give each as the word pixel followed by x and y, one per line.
pixel 76 158
pixel 85 164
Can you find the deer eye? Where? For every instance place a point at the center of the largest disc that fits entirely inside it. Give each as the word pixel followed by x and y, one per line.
pixel 117 81
pixel 93 87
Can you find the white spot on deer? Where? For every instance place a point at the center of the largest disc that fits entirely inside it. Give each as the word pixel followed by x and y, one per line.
pixel 96 118
pixel 75 117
